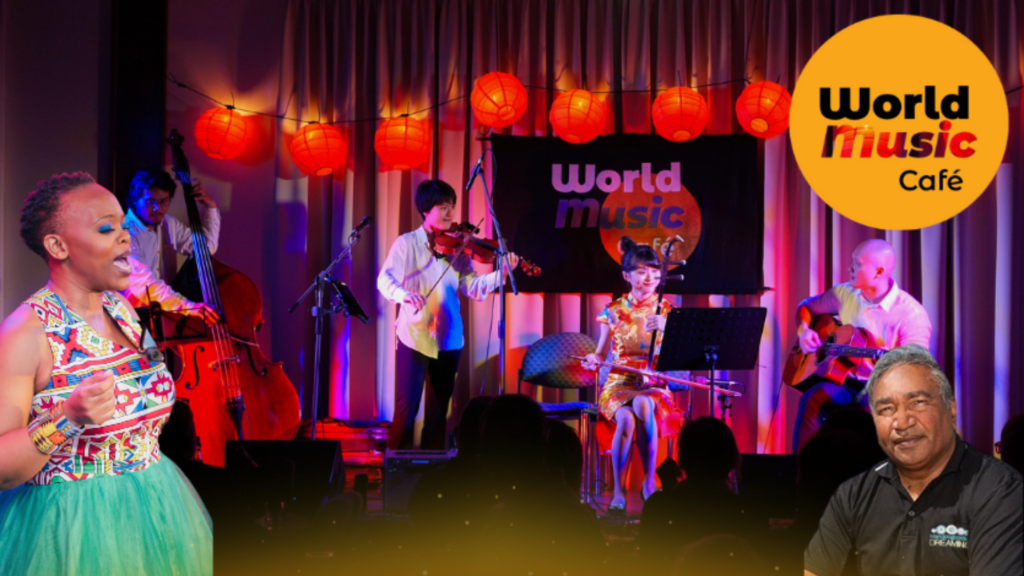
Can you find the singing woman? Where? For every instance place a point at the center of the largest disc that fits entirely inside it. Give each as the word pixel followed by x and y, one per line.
pixel 83 487
pixel 628 402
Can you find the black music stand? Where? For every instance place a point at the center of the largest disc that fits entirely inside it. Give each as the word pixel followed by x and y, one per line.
pixel 347 303
pixel 711 339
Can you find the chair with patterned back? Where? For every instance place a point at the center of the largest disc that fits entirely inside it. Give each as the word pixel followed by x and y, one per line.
pixel 548 364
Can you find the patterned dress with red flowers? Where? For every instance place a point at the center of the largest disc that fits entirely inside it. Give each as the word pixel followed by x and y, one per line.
pixel 630 346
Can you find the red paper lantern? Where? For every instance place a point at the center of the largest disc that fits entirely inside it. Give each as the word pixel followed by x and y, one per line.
pixel 402 143
pixel 679 114
pixel 318 149
pixel 220 132
pixel 498 99
pixel 763 109
pixel 577 116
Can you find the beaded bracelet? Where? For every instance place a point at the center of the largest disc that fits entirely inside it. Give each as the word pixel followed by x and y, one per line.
pixel 52 430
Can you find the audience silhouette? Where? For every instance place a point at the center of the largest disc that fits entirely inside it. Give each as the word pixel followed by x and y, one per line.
pixel 509 502
pixel 703 504
pixel 1011 442
pixel 539 521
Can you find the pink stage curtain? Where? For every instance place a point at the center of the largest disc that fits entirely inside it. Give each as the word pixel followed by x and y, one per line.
pixel 362 59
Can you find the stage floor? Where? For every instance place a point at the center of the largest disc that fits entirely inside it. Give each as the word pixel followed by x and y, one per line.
pixel 634 505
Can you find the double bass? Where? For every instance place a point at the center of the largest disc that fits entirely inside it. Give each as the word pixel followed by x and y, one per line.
pixel 234 391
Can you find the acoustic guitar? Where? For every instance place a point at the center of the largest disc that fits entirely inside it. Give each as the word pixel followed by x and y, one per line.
pixel 843 348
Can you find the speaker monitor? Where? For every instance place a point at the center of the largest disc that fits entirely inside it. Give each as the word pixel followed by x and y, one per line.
pixel 299 473
pixel 403 469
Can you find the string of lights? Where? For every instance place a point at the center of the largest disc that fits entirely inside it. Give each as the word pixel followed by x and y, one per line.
pixel 498 100
pixel 172 79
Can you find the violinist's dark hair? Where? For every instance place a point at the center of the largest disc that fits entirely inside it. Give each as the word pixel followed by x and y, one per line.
pixel 636 255
pixel 430 193
pixel 147 179
pixel 42 211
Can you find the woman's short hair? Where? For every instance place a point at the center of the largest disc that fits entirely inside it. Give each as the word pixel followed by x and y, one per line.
pixel 150 178
pixel 430 193
pixel 635 256
pixel 40 216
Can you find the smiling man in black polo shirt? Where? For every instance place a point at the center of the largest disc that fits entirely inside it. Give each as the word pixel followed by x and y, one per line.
pixel 936 506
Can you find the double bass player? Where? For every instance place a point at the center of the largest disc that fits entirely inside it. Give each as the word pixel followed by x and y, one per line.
pixel 156 238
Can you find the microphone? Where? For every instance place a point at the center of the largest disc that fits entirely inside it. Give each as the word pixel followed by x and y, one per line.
pixel 366 221
pixel 674 277
pixel 476 171
pixel 154 355
pixel 150 349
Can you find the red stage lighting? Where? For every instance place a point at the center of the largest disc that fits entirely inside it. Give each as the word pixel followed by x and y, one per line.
pixel 318 149
pixel 763 109
pixel 679 114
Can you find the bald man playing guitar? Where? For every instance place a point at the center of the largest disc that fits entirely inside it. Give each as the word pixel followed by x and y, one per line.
pixel 870 300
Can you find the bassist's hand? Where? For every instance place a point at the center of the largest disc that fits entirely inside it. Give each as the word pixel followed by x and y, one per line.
pixel 809 341
pixel 201 195
pixel 208 313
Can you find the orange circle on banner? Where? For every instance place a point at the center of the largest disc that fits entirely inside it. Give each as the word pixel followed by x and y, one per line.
pixel 652 219
pixel 899 122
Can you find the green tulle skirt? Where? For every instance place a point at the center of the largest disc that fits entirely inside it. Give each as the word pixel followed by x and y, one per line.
pixel 136 524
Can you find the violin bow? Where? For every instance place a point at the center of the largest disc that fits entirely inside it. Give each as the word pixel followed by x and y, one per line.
pixel 724 390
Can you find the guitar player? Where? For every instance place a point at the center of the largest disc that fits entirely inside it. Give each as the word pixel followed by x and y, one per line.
pixel 870 300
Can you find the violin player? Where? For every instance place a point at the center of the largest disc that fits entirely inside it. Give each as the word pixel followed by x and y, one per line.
pixel 426 287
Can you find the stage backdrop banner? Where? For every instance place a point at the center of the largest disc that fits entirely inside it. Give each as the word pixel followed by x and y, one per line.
pixel 565 206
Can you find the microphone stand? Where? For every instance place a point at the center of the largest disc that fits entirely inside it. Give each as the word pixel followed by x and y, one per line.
pixel 503 255
pixel 319 286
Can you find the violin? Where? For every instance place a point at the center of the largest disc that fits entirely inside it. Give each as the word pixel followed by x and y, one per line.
pixel 461 239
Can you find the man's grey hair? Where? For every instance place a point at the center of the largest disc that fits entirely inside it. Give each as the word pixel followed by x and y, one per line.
pixel 910 355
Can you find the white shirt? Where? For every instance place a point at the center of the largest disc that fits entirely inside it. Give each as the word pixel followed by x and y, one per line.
pixel 411 266
pixel 896 320
pixel 145 282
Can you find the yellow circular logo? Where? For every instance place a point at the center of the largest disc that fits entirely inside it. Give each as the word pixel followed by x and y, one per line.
pixel 899 122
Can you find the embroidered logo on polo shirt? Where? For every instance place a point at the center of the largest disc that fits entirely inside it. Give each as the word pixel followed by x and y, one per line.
pixel 948 536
